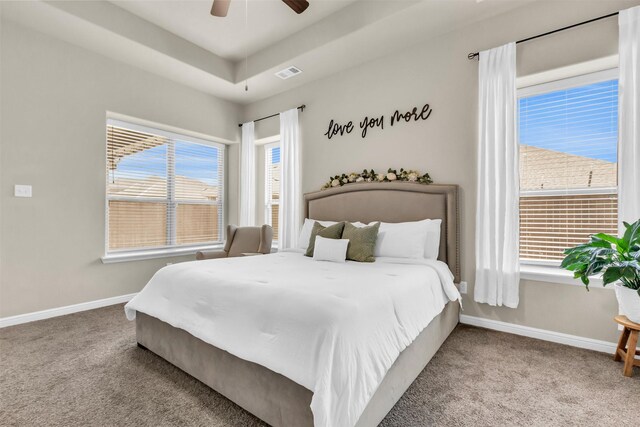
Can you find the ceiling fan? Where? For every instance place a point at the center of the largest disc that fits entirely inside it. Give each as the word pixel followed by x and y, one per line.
pixel 221 7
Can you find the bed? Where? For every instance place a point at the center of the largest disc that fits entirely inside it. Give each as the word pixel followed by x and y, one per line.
pixel 261 378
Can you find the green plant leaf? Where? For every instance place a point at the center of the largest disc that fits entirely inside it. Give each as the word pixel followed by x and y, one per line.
pixel 604 240
pixel 632 233
pixel 632 263
pixel 570 259
pixel 595 268
pixel 611 275
pixel 575 266
pixel 607 238
pixel 619 263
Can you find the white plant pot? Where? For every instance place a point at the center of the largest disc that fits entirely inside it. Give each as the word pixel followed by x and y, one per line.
pixel 629 302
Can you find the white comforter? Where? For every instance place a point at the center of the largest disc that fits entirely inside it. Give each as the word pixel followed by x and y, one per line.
pixel 336 329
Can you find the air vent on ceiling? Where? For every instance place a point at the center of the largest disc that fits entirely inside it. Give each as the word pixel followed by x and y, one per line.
pixel 288 72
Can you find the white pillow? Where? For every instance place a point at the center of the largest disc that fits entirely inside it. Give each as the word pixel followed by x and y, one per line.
pixel 334 250
pixel 305 233
pixel 432 245
pixel 401 240
pixel 392 247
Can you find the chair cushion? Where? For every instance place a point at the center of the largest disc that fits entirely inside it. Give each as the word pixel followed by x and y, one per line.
pixel 245 239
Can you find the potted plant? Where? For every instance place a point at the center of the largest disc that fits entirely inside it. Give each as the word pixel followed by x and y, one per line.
pixel 618 259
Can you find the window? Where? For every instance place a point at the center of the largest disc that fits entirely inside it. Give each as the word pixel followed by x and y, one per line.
pixel 272 186
pixel 164 190
pixel 568 134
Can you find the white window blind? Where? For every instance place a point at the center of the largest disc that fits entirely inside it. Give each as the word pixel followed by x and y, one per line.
pixel 272 186
pixel 568 134
pixel 164 190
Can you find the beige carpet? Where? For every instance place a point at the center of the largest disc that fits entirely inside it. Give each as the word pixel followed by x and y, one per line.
pixel 86 370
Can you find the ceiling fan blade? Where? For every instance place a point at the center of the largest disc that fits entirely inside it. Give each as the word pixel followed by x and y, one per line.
pixel 220 8
pixel 298 6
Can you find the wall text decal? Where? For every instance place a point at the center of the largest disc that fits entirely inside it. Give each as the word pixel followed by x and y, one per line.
pixel 367 123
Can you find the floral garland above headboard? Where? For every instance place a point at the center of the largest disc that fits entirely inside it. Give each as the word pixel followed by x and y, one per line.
pixel 372 176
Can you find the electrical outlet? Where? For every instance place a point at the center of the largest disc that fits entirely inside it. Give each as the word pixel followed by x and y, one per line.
pixel 22 190
pixel 463 287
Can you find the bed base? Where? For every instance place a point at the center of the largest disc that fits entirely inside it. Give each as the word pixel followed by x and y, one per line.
pixel 272 397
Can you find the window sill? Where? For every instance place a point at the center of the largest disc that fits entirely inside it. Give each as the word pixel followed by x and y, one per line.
pixel 156 253
pixel 554 274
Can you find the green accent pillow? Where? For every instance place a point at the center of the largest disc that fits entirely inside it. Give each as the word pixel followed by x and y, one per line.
pixel 332 232
pixel 362 241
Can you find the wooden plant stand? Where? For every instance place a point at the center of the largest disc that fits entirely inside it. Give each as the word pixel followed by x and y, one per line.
pixel 626 350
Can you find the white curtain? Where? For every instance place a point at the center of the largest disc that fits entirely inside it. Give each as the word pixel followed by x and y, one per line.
pixel 290 213
pixel 497 232
pixel 247 176
pixel 629 117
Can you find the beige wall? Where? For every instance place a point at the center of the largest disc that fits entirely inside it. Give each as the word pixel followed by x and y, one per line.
pixel 437 71
pixel 54 102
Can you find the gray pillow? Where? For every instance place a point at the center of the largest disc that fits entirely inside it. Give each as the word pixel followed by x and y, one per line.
pixel 362 242
pixel 332 232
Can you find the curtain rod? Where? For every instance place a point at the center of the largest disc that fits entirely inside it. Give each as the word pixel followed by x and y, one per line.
pixel 301 108
pixel 475 55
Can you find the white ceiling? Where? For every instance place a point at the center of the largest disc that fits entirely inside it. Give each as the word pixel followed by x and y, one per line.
pixel 181 41
pixel 269 21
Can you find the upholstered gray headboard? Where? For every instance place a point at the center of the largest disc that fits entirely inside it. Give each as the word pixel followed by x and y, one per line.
pixel 393 202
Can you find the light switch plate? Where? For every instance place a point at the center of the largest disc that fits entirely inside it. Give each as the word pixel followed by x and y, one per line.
pixel 22 190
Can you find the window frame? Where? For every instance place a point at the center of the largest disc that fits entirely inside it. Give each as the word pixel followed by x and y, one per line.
pixel 268 201
pixel 172 249
pixel 549 270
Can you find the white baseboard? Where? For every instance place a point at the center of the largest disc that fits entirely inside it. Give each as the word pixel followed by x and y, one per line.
pixel 61 311
pixel 541 334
